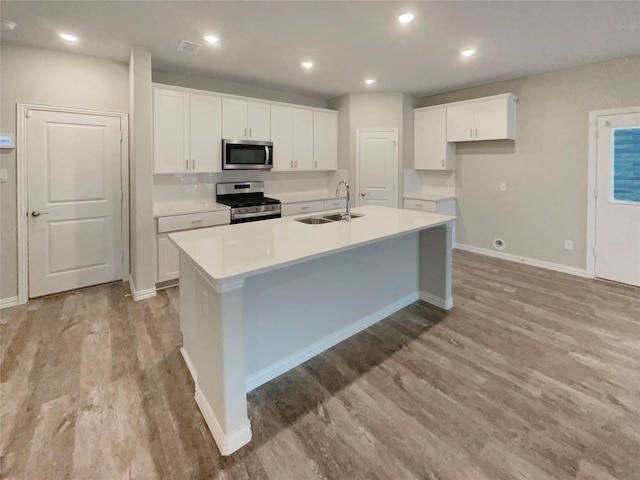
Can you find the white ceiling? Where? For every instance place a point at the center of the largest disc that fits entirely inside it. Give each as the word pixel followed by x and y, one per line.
pixel 263 42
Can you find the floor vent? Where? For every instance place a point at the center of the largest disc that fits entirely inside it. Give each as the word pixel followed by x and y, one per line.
pixel 189 47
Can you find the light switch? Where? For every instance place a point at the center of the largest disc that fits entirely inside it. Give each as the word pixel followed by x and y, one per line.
pixel 3 175
pixel 503 187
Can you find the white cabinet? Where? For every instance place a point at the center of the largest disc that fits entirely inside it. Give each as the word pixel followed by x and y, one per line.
pixel 304 138
pixel 292 137
pixel 186 132
pixel 242 119
pixel 302 207
pixel 325 140
pixel 168 255
pixel 488 118
pixel 445 206
pixel 431 149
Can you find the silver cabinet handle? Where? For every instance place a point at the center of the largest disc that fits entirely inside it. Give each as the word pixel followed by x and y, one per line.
pixel 193 164
pixel 471 132
pixel 186 164
pixel 443 162
pixel 291 163
pixel 476 132
pixel 36 213
pixel 250 132
pixel 315 164
pixel 245 133
pixel 296 163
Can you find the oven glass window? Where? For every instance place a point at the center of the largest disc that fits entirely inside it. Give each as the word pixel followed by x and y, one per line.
pixel 246 155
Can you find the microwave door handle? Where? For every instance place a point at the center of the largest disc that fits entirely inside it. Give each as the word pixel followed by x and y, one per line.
pixel 267 156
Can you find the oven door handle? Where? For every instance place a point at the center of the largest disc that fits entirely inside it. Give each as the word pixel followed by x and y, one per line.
pixel 267 157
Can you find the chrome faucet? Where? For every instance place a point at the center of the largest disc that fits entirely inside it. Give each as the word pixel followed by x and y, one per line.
pixel 347 215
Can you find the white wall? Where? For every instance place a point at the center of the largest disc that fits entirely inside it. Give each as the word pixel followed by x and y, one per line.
pixel 545 168
pixel 50 78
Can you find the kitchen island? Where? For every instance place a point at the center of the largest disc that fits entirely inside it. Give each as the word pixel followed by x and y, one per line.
pixel 260 298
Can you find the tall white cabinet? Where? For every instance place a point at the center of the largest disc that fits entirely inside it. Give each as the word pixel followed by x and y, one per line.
pixel 187 132
pixel 431 149
pixel 325 144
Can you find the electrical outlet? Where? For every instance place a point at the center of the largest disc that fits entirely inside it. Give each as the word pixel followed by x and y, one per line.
pixel 3 175
pixel 503 187
pixel 568 244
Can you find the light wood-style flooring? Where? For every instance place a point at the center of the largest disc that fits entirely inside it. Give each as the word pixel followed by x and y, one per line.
pixel 533 375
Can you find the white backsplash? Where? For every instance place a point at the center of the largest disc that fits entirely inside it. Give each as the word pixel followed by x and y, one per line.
pixel 197 187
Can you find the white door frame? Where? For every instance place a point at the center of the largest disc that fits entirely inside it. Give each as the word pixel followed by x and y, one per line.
pixel 591 181
pixel 21 180
pixel 397 161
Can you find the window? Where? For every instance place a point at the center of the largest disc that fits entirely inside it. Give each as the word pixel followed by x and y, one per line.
pixel 626 164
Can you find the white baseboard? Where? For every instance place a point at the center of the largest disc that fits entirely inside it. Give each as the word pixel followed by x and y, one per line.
pixel 8 302
pixel 187 360
pixel 227 443
pixel 141 294
pixel 270 372
pixel 579 272
pixel 444 303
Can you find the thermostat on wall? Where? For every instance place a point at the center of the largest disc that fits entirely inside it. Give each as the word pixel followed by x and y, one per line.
pixel 6 141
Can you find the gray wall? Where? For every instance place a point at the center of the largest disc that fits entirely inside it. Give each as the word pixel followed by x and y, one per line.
pixel 233 88
pixel 51 78
pixel 545 168
pixel 374 110
pixel 141 232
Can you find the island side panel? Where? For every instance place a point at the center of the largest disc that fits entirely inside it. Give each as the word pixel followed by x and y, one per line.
pixel 435 259
pixel 213 342
pixel 294 313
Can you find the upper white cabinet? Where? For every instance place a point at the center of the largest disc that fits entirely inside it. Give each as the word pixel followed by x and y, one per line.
pixel 186 132
pixel 304 138
pixel 282 137
pixel 325 140
pixel 242 119
pixel 431 149
pixel 488 118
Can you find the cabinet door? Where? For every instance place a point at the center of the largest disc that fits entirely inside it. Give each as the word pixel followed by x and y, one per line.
pixel 170 131
pixel 491 120
pixel 431 150
pixel 259 121
pixel 168 259
pixel 460 123
pixel 325 140
pixel 303 139
pixel 206 133
pixel 282 137
pixel 234 119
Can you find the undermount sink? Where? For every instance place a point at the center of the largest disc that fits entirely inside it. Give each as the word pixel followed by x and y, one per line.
pixel 313 220
pixel 336 217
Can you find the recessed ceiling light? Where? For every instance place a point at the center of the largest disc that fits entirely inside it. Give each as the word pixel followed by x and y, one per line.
pixel 68 37
pixel 307 65
pixel 369 81
pixel 211 38
pixel 405 17
pixel 468 52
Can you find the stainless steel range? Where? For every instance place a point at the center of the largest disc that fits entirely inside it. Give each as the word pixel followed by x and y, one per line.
pixel 247 201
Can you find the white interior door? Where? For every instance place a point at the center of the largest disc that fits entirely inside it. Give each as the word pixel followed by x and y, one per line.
pixel 74 200
pixel 378 167
pixel 618 198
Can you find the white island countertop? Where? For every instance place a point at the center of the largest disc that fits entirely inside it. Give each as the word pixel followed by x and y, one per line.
pixel 232 252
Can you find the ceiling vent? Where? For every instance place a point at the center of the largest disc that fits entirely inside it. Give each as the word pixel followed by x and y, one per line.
pixel 189 47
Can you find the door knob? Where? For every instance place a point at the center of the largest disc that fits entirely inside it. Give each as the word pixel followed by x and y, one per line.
pixel 363 194
pixel 36 213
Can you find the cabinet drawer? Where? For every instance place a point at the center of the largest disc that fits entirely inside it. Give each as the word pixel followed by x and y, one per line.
pixel 424 205
pixel 174 223
pixel 335 204
pixel 302 207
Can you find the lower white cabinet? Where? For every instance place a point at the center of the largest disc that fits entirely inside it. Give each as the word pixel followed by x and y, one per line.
pixel 299 208
pixel 168 255
pixel 446 206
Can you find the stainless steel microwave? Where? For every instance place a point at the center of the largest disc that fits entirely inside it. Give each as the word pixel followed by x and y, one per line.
pixel 247 155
